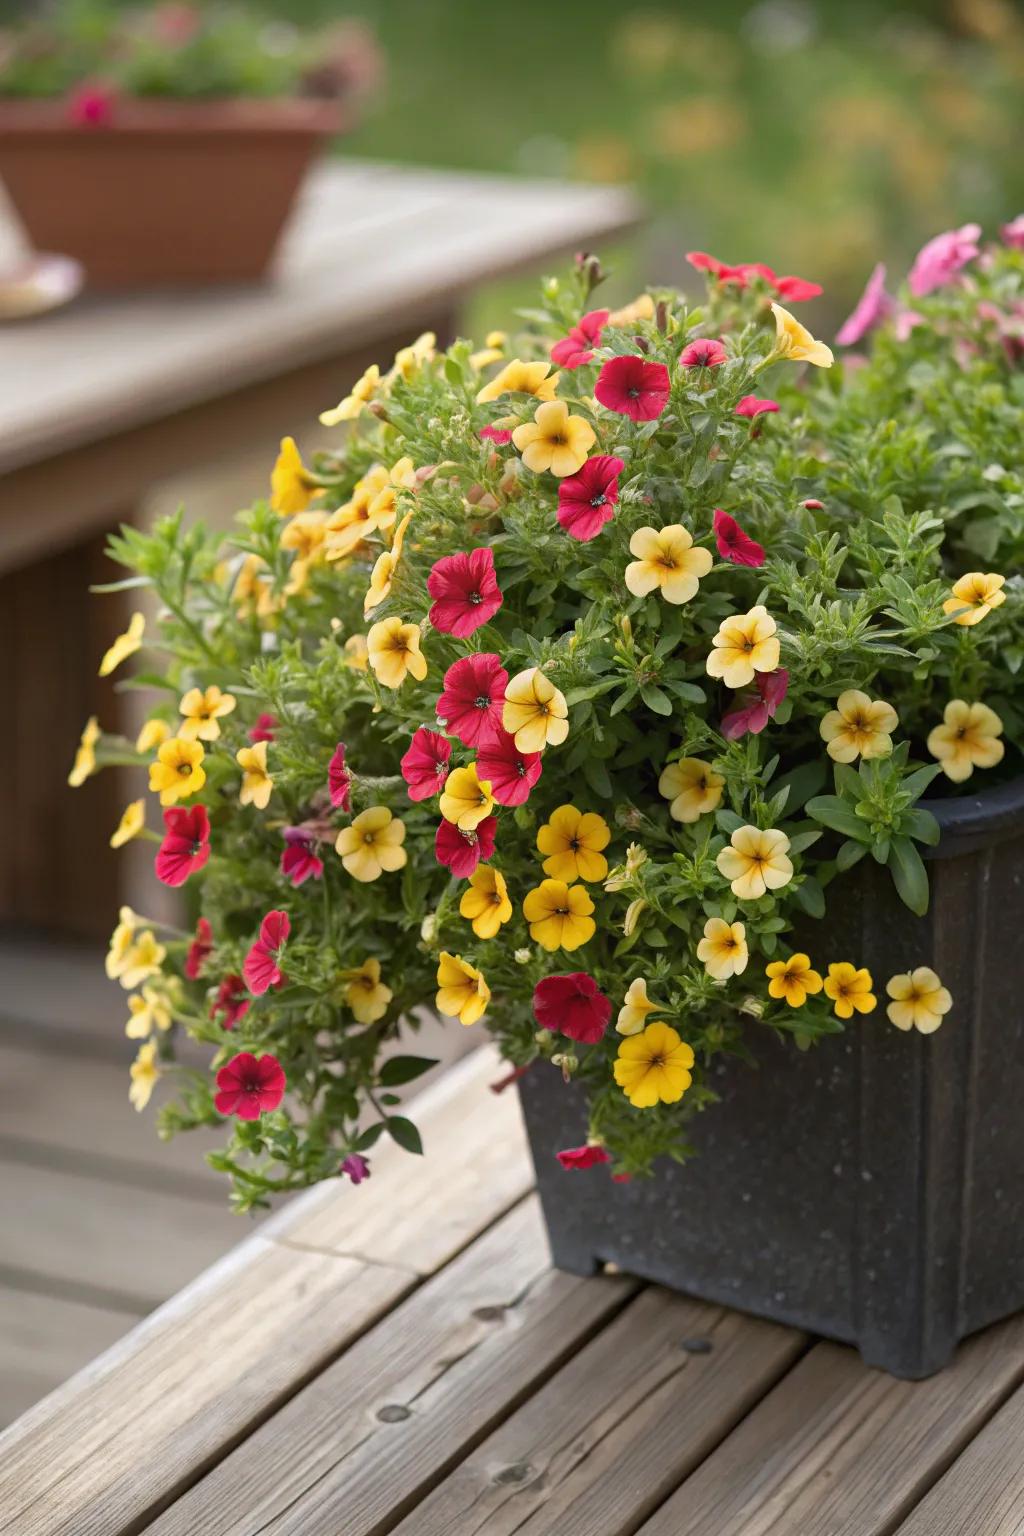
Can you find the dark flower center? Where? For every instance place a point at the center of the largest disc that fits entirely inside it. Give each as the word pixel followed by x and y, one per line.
pixel 520 768
pixel 196 848
pixel 483 702
pixel 184 769
pixel 251 1085
pixel 474 597
pixel 633 393
pixel 598 500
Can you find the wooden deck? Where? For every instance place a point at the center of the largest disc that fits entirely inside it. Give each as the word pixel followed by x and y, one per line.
pixel 400 1358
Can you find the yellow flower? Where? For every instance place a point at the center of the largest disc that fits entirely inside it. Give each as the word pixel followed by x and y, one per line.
pixel 409 360
pixel 148 1011
pixel 723 948
pixel 85 758
pixel 849 989
pixel 756 862
pixel 485 903
pixel 974 596
pixel 554 440
pixel 384 570
pixel 153 734
pixel 573 841
pixel 177 772
pixel 144 1073
pixel 968 738
pixel 793 979
pixel 203 712
pixel 131 824
pixel 305 534
pixel 692 787
pixel 252 589
pixel 641 308
pixel 636 858
pixel 654 1067
pixel 357 653
pixel 919 1000
pixel 462 993
pixel 559 915
pixel 535 712
pixel 366 994
pixel 291 486
pixel 393 649
pixel 362 391
pixel 141 958
pixel 858 726
pixel 121 940
pixel 125 645
pixel 666 560
pixel 493 351
pixel 745 644
pixel 372 843
pixel 257 784
pixel 466 800
pixel 794 341
pixel 635 1008
pixel 364 514
pixel 521 378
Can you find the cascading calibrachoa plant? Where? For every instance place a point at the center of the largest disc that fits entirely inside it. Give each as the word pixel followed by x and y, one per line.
pixel 564 691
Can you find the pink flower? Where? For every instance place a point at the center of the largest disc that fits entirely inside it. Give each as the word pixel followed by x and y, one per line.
pixel 512 774
pixel 906 321
pixel 198 949
pixel 249 1086
pixel 757 710
pixel 578 347
pixel 465 592
pixel 298 861
pixel 473 699
pixel 1013 233
pixel 814 505
pixel 355 1167
pixel 573 1006
pixel 702 262
pixel 91 104
pixel 734 544
pixel 633 388
pixel 582 1157
pixel 461 852
pixel 751 406
pixel 703 353
pixel 586 499
pixel 264 728
pixel 425 764
pixel 499 435
pixel 942 258
pixel 261 970
pixel 186 844
pixel 339 780
pixel 231 1001
pixel 873 306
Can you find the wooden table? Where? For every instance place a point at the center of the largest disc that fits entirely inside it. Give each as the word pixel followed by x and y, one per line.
pixel 99 401
pixel 400 1358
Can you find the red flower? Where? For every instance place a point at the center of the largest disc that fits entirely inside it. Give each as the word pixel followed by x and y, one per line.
pixel 582 1157
pixel 578 347
pixel 814 505
pixel 200 947
pixel 720 269
pixel 298 861
pixel 473 698
pixel 573 1005
pixel 261 970
pixel 461 852
pixel 186 844
pixel 797 289
pixel 734 544
pixel 586 499
pixel 512 774
pixel 703 353
pixel 339 780
pixel 499 435
pixel 750 405
pixel 633 388
pixel 757 709
pixel 91 105
pixel 425 765
pixel 465 592
pixel 231 1001
pixel 249 1086
pixel 264 728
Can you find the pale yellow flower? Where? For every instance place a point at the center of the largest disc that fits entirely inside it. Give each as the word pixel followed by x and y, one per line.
pixel 85 764
pixel 366 994
pixel 144 1073
pixel 635 1008
pixel 795 342
pixel 354 403
pixel 384 570
pixel 640 308
pixel 521 378
pixel 535 712
pixel 858 727
pixel 745 644
pixel 723 949
pixel 554 440
pixel 305 533
pixel 667 561
pixel 257 784
pixel 394 652
pixel 125 645
pixel 153 734
pixel 974 596
pixel 409 360
pixel 132 821
pixel 147 1011
pixel 755 862
pixel 357 653
pixel 133 963
pixel 968 738
pixel 919 1000
pixel 692 787
pixel 363 514
pixel 372 844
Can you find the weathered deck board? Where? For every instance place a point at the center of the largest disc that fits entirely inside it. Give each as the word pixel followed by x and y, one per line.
pixel 982 1494
pixel 43 1339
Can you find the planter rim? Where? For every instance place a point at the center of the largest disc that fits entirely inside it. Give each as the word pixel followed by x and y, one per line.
pixel 270 114
pixel 977 820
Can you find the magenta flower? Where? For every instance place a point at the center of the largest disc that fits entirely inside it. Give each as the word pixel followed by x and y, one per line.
pixel 91 104
pixel 734 544
pixel 339 780
pixel 757 709
pixel 299 861
pixel 465 592
pixel 572 1005
pixel 231 1001
pixel 751 406
pixel 460 851
pixel 578 347
pixel 797 290
pixel 186 844
pixel 261 969
pixel 425 764
pixel 473 698
pixel 942 258
pixel 582 1157
pixel 873 306
pixel 355 1167
pixel 512 774
pixel 586 500
pixel 249 1086
pixel 633 388
pixel 264 728
pixel 198 950
pixel 1013 233
pixel 499 435
pixel 703 353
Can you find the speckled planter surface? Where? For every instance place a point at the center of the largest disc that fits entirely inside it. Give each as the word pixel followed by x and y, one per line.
pixel 872 1188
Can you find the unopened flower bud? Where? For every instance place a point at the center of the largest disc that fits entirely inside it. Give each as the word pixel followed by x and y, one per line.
pixel 633 912
pixel 661 317
pixel 377 408
pixel 522 957
pixel 754 1006
pixel 428 928
pixel 626 626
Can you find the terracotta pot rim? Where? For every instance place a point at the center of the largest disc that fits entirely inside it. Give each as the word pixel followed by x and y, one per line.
pixel 256 114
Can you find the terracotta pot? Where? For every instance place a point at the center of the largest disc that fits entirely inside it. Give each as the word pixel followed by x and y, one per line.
pixel 179 193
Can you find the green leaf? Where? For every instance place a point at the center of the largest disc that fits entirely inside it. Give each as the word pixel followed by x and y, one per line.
pixel 803 840
pixel 850 854
pixel 802 783
pixel 848 781
pixel 835 813
pixel 811 897
pixel 922 826
pixel 403 1069
pixel 368 1138
pixel 909 875
pixel 596 775
pixel 729 821
pixel 122 586
pixel 917 782
pixel 405 1133
pixel 655 699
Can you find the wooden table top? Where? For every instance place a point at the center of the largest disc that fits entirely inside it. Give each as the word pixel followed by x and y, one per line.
pixel 368 246
pixel 401 1358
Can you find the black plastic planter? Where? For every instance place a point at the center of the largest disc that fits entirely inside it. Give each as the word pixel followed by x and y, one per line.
pixel 870 1189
